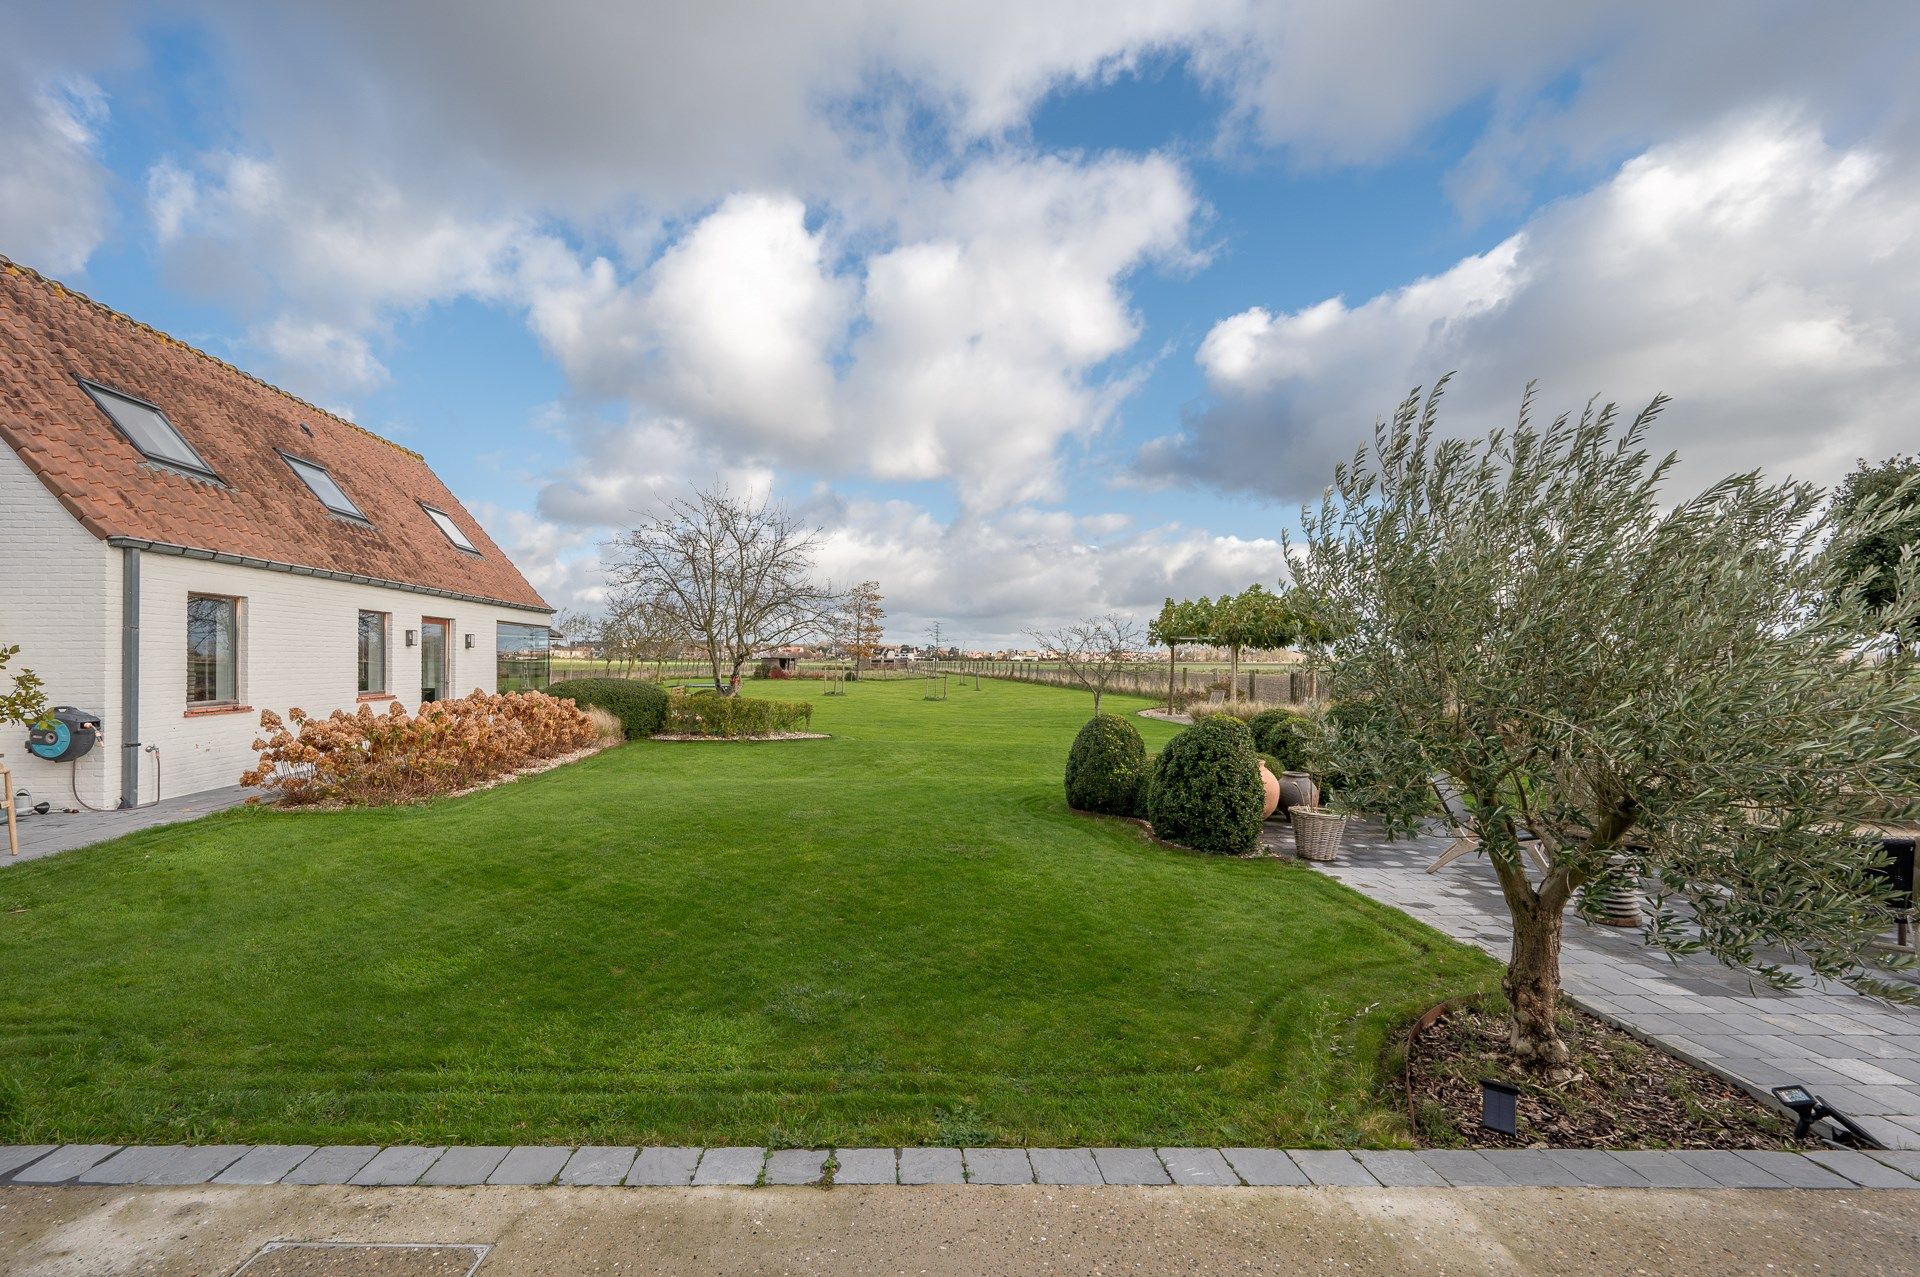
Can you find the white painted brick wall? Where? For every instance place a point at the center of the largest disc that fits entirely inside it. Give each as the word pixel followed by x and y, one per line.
pixel 60 600
pixel 298 648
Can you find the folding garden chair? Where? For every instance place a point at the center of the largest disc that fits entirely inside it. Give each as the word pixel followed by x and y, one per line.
pixel 1460 821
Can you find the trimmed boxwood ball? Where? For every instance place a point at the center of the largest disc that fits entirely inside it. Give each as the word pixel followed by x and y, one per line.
pixel 1106 766
pixel 1206 791
pixel 1283 736
pixel 640 706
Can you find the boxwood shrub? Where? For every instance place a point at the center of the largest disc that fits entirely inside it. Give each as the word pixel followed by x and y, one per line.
pixel 640 706
pixel 1206 788
pixel 1283 736
pixel 1105 767
pixel 709 714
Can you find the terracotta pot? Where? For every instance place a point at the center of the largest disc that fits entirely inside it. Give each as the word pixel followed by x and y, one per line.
pixel 1298 790
pixel 1270 783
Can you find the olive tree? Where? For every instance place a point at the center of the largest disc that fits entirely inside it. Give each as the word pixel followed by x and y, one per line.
pixel 1657 690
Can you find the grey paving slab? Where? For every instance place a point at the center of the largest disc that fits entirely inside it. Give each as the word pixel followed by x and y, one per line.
pixel 397 1166
pixel 129 1165
pixel 1263 1166
pixel 1795 1169
pixel 932 1166
pixel 265 1164
pixel 462 1167
pixel 14 1156
pixel 1755 1037
pixel 196 1165
pixel 1399 1168
pixel 1130 1166
pixel 1197 1166
pixel 331 1164
pixel 731 1166
pixel 65 1163
pixel 998 1166
pixel 530 1164
pixel 866 1166
pixel 1728 1170
pixel 1530 1166
pixel 664 1166
pixel 1661 1168
pixel 1464 1168
pixel 1064 1166
pixel 796 1166
pixel 1906 1161
pixel 1598 1168
pixel 599 1164
pixel 1333 1168
pixel 1861 1169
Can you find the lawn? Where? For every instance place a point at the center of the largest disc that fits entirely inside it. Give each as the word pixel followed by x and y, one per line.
pixel 896 936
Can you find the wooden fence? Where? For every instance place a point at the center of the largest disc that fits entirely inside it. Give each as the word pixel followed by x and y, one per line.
pixel 1287 687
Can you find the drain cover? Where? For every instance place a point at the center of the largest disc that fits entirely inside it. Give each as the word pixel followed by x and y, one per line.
pixel 363 1259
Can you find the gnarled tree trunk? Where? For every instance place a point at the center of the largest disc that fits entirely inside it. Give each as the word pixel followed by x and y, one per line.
pixel 1532 980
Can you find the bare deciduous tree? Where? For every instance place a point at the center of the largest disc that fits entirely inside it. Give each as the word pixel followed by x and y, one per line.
pixel 734 575
pixel 1093 650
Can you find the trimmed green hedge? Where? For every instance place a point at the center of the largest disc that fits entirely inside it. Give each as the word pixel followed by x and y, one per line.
pixel 640 706
pixel 709 714
pixel 1206 788
pixel 1106 766
pixel 1284 736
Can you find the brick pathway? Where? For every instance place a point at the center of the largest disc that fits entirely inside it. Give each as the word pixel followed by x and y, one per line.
pixel 367 1165
pixel 1861 1055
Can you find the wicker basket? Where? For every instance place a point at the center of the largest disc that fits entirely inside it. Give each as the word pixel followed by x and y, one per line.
pixel 1316 834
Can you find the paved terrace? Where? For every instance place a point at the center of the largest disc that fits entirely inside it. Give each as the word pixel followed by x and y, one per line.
pixel 68 830
pixel 368 1165
pixel 1861 1055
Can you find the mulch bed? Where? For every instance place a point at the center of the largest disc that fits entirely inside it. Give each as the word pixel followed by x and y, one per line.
pixel 1627 1094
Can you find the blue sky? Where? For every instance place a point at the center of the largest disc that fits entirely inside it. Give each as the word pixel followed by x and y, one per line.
pixel 1037 311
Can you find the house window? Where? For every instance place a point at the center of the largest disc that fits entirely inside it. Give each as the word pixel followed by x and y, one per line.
pixel 448 526
pixel 523 655
pixel 213 650
pixel 373 653
pixel 321 483
pixel 148 429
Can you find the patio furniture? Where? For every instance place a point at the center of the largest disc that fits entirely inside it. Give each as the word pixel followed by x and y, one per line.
pixel 1465 838
pixel 1898 842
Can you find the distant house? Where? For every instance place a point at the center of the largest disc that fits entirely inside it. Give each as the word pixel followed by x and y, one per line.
pixel 183 546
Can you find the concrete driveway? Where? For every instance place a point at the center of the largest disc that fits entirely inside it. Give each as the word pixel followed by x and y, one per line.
pixel 938 1230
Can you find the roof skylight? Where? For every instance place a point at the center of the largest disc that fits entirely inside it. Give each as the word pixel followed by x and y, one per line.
pixel 321 482
pixel 148 429
pixel 448 526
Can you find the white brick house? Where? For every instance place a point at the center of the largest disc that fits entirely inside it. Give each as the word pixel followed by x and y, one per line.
pixel 183 546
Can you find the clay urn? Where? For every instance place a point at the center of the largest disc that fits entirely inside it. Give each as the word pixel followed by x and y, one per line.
pixel 1271 784
pixel 1298 790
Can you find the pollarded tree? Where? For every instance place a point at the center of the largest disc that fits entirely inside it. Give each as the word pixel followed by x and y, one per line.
pixel 1254 618
pixel 1188 621
pixel 1657 692
pixel 1871 559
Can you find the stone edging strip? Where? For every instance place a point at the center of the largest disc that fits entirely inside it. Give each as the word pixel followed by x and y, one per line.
pixel 369 1165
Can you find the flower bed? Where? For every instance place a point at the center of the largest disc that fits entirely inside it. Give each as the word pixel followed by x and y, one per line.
pixel 366 759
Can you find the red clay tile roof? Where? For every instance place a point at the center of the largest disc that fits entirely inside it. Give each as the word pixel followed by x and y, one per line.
pixel 50 336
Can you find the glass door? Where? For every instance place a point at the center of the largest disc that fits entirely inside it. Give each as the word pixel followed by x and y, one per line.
pixel 433 659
